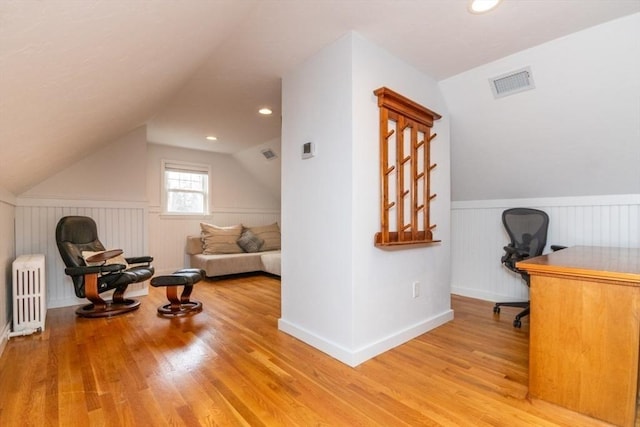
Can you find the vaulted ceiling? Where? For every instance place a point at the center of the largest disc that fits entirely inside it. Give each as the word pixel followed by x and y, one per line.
pixel 75 75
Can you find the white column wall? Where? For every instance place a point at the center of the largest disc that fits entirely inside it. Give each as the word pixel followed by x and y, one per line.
pixel 340 293
pixel 317 301
pixel 386 314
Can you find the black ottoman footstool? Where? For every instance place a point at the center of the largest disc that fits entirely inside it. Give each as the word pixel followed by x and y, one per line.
pixel 182 305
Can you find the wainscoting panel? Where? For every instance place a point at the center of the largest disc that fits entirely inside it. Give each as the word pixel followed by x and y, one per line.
pixel 120 225
pixel 168 234
pixel 7 256
pixel 478 237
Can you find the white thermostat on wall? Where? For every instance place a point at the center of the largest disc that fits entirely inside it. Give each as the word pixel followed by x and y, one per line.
pixel 308 150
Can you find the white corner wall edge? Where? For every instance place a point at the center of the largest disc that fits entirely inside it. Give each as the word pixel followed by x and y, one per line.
pixel 7 197
pixel 4 337
pixel 354 358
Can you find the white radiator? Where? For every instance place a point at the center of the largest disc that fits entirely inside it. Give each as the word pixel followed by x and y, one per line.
pixel 29 298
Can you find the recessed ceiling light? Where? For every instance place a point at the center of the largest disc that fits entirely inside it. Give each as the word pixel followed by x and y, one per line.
pixel 482 6
pixel 265 111
pixel 212 138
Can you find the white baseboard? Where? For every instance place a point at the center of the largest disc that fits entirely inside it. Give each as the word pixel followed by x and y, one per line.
pixel 354 358
pixel 480 294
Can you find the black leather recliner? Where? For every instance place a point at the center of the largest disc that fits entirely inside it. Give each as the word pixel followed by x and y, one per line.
pixel 75 234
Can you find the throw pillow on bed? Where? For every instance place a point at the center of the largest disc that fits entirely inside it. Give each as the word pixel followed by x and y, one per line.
pixel 270 234
pixel 220 240
pixel 250 242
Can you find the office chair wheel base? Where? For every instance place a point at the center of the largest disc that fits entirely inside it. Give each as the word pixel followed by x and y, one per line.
pixel 517 323
pixel 496 310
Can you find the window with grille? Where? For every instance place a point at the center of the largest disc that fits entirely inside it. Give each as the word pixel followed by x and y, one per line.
pixel 185 188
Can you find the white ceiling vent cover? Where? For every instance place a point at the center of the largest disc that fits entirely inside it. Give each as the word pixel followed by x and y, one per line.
pixel 513 82
pixel 269 154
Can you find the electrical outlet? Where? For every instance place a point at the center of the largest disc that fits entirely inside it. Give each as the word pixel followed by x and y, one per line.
pixel 416 289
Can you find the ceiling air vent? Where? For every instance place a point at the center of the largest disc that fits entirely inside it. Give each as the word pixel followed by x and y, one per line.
pixel 513 82
pixel 269 154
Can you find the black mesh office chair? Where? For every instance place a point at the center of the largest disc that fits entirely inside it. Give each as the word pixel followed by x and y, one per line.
pixel 527 229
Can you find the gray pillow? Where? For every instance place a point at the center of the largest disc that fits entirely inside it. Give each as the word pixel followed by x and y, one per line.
pixel 249 242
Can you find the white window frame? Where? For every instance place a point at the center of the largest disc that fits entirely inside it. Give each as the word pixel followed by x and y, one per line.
pixel 196 168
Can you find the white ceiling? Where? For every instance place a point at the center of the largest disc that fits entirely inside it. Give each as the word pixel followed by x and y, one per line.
pixel 74 75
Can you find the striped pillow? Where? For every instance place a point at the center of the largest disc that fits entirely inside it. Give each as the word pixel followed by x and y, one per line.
pixel 220 240
pixel 270 234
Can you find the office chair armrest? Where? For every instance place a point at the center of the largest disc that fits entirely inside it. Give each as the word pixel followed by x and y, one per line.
pixel 139 260
pixel 96 269
pixel 517 252
pixel 557 248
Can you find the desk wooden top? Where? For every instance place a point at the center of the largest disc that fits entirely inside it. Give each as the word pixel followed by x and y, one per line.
pixel 594 262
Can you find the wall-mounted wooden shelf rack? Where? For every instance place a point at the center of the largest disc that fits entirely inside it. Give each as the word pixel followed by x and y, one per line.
pixel 405 167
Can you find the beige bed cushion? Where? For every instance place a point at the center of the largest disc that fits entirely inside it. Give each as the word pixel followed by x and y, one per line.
pixel 271 262
pixel 194 245
pixel 223 264
pixel 220 240
pixel 270 234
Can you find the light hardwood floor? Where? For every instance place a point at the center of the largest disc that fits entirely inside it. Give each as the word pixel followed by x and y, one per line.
pixel 229 365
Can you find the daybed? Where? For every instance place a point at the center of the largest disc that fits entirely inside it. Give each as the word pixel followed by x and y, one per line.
pixel 237 249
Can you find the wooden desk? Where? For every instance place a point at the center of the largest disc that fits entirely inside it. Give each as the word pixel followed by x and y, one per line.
pixel 585 330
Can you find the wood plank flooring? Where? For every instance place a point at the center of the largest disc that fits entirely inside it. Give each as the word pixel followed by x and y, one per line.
pixel 230 366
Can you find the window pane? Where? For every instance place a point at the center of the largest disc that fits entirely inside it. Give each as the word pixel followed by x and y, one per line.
pixel 186 188
pixel 178 201
pixel 185 181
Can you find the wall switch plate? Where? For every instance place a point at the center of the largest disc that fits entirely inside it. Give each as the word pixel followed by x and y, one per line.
pixel 308 150
pixel 416 289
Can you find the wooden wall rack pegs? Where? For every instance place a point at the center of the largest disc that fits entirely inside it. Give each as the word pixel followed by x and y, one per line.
pixel 405 167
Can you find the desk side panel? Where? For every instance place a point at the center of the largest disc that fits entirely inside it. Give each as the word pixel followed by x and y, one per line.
pixel 584 344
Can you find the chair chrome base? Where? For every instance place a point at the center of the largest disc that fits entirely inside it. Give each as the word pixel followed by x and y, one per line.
pixel 517 322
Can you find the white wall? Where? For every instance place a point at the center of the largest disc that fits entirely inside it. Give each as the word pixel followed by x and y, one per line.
pixel 109 186
pixel 237 197
pixel 577 133
pixel 317 295
pixel 121 225
pixel 119 187
pixel 382 281
pixel 264 171
pixel 115 172
pixel 478 237
pixel 570 147
pixel 339 292
pixel 231 185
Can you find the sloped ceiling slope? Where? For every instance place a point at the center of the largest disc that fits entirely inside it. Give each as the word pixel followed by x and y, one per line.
pixel 78 74
pixel 438 37
pixel 576 133
pixel 72 78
